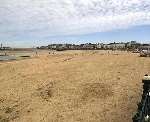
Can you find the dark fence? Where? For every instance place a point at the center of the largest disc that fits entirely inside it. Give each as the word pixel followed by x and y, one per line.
pixel 143 111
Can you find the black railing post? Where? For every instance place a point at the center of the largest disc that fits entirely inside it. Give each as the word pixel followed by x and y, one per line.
pixel 143 111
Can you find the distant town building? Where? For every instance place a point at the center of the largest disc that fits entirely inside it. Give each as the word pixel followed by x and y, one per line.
pixel 43 47
pixel 99 46
pixel 52 46
pixel 117 46
pixel 4 48
pixel 132 45
pixel 106 46
pixel 144 47
pixel 88 46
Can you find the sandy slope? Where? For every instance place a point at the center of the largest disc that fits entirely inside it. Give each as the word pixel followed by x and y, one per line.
pixel 72 86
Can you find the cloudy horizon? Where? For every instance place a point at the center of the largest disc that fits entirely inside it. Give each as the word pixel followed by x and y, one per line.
pixel 69 21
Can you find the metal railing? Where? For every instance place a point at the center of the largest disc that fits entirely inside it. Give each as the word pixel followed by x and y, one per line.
pixel 143 111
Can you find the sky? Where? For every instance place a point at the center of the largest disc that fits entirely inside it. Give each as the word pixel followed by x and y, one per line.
pixel 28 23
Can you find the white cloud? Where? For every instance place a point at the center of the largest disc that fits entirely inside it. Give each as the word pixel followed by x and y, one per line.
pixel 42 18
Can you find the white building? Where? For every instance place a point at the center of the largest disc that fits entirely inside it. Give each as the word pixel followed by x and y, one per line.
pixel 99 45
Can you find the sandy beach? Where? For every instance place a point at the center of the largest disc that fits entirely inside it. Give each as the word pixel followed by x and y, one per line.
pixel 72 86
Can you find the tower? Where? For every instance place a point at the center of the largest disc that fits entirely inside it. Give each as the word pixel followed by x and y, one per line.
pixel 1 46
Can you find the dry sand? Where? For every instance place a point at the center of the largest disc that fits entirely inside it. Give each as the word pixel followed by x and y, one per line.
pixel 72 86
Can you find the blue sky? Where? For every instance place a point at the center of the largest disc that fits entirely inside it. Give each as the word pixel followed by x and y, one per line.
pixel 29 23
pixel 137 33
